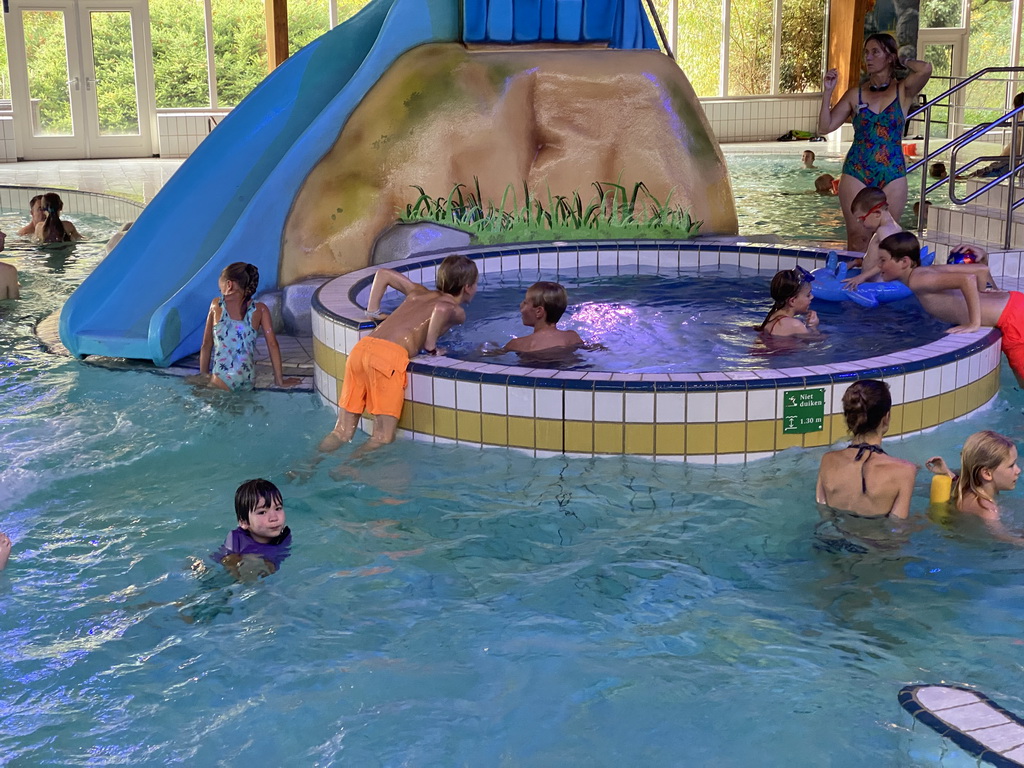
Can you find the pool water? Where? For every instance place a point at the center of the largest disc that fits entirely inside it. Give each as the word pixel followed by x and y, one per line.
pixel 688 321
pixel 775 195
pixel 454 606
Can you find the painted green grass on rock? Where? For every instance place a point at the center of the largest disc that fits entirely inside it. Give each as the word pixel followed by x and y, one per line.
pixel 610 214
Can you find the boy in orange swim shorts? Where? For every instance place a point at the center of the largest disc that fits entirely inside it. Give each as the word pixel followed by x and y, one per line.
pixel 375 371
pixel 964 294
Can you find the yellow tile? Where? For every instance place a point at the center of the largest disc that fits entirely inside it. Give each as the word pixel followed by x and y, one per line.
pixel 670 439
pixel 785 441
pixel 946 406
pixel 579 436
pixel 700 438
pixel 640 439
pixel 912 416
pixel 732 437
pixel 324 357
pixel 839 428
pixel 760 436
pixel 405 421
pixel 975 391
pixel 339 366
pixel 960 402
pixel 993 384
pixel 494 429
pixel 521 432
pixel 444 422
pixel 815 439
pixel 549 434
pixel 929 412
pixel 423 418
pixel 607 437
pixel 467 425
pixel 896 420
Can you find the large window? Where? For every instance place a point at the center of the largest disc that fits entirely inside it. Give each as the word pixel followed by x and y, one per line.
pixel 766 46
pixel 188 33
pixel 5 78
pixel 988 46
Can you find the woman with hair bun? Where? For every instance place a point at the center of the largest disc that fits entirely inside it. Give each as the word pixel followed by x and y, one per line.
pixel 861 478
pixel 232 326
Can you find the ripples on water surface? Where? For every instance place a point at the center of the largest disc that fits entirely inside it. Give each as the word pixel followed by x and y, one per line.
pixel 451 606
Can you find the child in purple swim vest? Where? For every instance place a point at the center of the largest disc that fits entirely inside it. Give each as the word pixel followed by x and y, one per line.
pixel 261 542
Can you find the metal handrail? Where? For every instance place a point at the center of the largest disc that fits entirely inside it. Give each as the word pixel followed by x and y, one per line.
pixel 1016 117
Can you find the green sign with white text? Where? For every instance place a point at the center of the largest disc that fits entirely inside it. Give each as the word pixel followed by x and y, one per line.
pixel 803 410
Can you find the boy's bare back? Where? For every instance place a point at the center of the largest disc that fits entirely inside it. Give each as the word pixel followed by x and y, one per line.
pixel 940 297
pixel 542 339
pixel 422 311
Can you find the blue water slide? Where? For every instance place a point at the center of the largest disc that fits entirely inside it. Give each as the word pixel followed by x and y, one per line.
pixel 228 201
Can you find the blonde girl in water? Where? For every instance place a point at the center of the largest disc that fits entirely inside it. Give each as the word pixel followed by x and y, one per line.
pixel 988 466
pixel 791 292
pixel 232 326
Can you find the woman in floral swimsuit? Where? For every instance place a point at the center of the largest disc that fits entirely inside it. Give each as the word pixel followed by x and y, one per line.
pixel 878 110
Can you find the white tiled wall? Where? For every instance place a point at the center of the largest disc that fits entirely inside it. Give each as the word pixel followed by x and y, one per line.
pixel 180 134
pixel 8 153
pixel 761 119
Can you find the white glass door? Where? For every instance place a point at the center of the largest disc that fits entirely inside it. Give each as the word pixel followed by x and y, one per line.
pixel 79 87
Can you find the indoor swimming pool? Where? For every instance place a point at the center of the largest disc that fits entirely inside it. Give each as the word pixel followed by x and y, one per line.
pixel 447 605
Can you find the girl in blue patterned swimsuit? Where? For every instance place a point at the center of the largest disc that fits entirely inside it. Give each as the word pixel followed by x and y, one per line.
pixel 232 326
pixel 878 109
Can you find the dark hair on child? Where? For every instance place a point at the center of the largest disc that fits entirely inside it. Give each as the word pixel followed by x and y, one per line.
pixel 33 200
pixel 552 297
pixel 937 170
pixel 251 493
pixel 1018 100
pixel 455 273
pixel 867 199
pixel 246 276
pixel 903 245
pixel 53 227
pixel 865 404
pixel 785 285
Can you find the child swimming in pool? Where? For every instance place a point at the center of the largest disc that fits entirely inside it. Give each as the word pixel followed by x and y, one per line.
pixel 375 370
pixel 541 310
pixel 35 207
pixel 988 466
pixel 52 229
pixel 8 276
pixel 5 549
pixel 232 326
pixel 807 159
pixel 262 541
pixel 791 291
pixel 871 208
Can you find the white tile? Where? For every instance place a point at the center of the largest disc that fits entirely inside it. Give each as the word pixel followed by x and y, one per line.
pixel 948 373
pixel 670 407
pixel 420 388
pixel 973 716
pixel 896 389
pixel 732 405
pixel 932 382
pixel 700 407
pixel 579 406
pixel 494 398
pixel 444 392
pixel 913 386
pixel 520 401
pixel 608 406
pixel 1001 738
pixel 761 404
pixel 640 407
pixel 467 396
pixel 548 403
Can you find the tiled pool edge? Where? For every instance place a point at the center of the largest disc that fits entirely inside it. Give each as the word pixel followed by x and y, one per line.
pixel 118 209
pixel 711 417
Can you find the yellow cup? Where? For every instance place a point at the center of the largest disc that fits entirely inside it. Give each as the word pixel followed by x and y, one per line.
pixel 942 487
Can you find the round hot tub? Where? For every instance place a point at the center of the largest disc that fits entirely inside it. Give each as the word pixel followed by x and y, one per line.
pixel 724 413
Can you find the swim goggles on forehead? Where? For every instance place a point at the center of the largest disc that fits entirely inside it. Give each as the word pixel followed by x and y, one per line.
pixel 805 276
pixel 873 209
